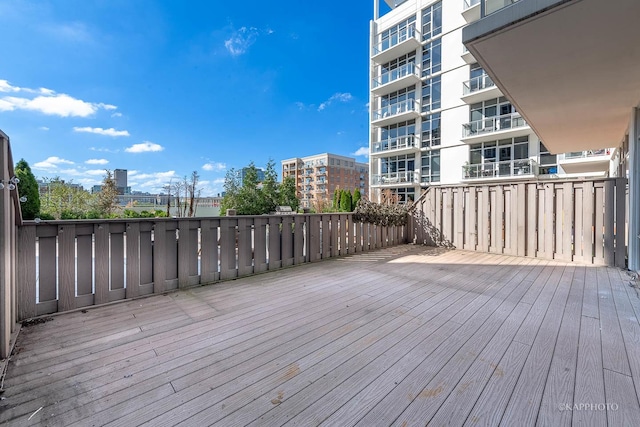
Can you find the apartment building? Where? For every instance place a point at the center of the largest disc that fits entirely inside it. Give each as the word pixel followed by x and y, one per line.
pixel 318 176
pixel 436 117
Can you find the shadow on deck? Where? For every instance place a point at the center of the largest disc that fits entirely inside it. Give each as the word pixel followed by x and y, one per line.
pixel 402 336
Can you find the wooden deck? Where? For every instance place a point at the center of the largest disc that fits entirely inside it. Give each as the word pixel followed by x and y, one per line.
pixel 403 336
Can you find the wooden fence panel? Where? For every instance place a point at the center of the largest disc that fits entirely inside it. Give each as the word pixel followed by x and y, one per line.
pixel 84 265
pixel 620 228
pixel 532 219
pixel 117 262
pixel 66 267
pixel 26 272
pixel 146 259
pixel 520 220
pixel 209 250
pixel 245 250
pixel 287 241
pixel 260 244
pixel 609 218
pixel 598 238
pixel 159 257
pixel 133 255
pixel 326 236
pixel 171 256
pixel 275 252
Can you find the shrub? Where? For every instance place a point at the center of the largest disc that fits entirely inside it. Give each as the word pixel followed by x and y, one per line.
pixel 381 214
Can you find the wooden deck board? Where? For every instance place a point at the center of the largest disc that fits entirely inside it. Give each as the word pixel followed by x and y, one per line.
pixel 404 334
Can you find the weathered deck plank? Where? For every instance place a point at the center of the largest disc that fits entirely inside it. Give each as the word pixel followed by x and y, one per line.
pixel 405 334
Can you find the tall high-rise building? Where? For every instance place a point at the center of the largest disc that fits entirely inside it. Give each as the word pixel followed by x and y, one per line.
pixel 317 177
pixel 120 178
pixel 436 117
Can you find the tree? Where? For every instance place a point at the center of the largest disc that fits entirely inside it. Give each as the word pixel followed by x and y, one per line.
pixel 356 197
pixel 65 200
pixel 345 201
pixel 231 191
pixel 193 192
pixel 108 195
pixel 269 190
pixel 28 187
pixel 288 193
pixel 336 199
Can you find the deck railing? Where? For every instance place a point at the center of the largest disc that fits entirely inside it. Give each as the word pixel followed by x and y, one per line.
pixel 72 264
pixel 10 218
pixel 583 221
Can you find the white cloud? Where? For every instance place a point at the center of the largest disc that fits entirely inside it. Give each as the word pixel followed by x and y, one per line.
pixel 336 97
pixel 48 102
pixel 44 128
pixel 241 40
pixel 97 161
pixel 214 166
pixel 155 181
pixel 116 115
pixel 362 151
pixel 100 131
pixel 104 150
pixel 51 163
pixel 144 147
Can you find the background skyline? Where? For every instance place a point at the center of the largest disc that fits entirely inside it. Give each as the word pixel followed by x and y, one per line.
pixel 165 88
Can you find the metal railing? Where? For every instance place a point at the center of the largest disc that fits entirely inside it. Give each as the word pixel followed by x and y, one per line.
pixel 395 74
pixel 400 142
pixel 393 178
pixel 491 6
pixel 585 154
pixel 470 3
pixel 402 35
pixel 493 124
pixel 477 83
pixel 395 109
pixel 509 168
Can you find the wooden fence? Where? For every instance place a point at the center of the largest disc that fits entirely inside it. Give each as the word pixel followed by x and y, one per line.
pixel 581 221
pixel 10 217
pixel 64 265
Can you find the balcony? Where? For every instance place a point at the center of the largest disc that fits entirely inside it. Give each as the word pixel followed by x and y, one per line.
pixel 399 145
pixel 511 169
pixel 491 6
pixel 400 111
pixel 395 79
pixel 478 89
pixel 505 126
pixel 405 41
pixel 321 172
pixel 397 179
pixel 471 10
pixel 588 161
pixel 468 56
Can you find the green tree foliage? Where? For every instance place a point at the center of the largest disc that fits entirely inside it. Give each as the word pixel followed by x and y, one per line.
pixel 345 202
pixel 288 193
pixel 250 197
pixel 356 197
pixel 108 196
pixel 336 199
pixel 65 201
pixel 28 187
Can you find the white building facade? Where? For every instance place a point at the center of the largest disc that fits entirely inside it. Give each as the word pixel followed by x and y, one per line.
pixel 436 118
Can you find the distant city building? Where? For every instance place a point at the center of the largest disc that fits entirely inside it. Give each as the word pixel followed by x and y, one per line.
pixel 45 186
pixel 242 173
pixel 318 176
pixel 120 178
pixel 96 189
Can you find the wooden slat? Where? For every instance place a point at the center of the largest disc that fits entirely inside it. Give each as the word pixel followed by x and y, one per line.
pixel 532 220
pixel 334 230
pixel 47 267
pixel 133 259
pixel 260 244
pixel 609 218
pixel 598 238
pixel 209 250
pixel 228 248
pixel 520 220
pixel 84 264
pixel 299 239
pixel 116 256
pixel 549 220
pixel 171 255
pixel 102 285
pixel 275 259
pixel 620 229
pixel 146 255
pixel 66 267
pixel 26 277
pixel 159 257
pixel 589 387
pixel 358 236
pixel 587 221
pixel 184 249
pixel 245 249
pixel 287 248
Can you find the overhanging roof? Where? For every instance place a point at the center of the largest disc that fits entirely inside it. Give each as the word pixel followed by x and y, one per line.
pixel 571 67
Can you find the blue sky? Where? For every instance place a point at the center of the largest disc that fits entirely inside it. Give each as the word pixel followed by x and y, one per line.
pixel 162 88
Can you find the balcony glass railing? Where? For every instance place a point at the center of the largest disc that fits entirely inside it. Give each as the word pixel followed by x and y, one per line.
pixel 394 109
pixel 585 154
pixel 391 178
pixel 395 74
pixel 397 38
pixel 400 142
pixel 509 168
pixel 470 3
pixel 493 124
pixel 321 172
pixel 491 6
pixel 476 84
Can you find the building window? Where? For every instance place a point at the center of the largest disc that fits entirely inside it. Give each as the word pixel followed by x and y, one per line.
pixel 398 96
pixel 548 162
pixel 409 58
pixel 430 167
pixel 490 108
pixel 401 195
pixel 392 132
pixel 432 21
pixel 393 35
pixel 432 58
pixel 431 130
pixel 431 94
pixel 405 163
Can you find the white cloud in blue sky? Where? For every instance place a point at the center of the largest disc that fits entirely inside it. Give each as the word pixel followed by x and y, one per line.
pixel 101 131
pixel 361 152
pixel 214 166
pixel 97 161
pixel 336 97
pixel 144 147
pixel 241 40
